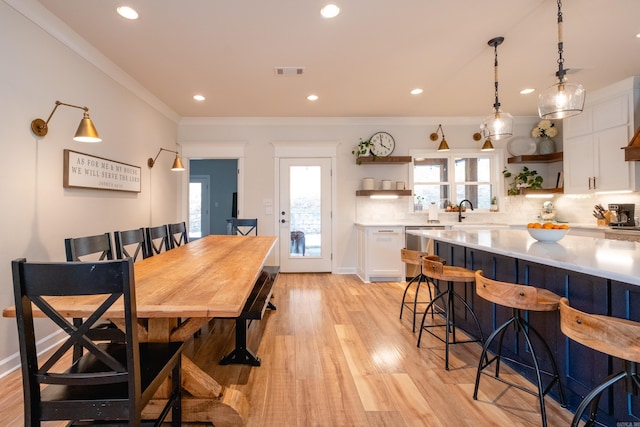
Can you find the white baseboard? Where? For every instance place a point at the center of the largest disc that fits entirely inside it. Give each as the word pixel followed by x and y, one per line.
pixel 11 363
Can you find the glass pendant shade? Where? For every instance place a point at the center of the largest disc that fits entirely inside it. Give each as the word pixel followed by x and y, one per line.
pixel 498 125
pixel 562 100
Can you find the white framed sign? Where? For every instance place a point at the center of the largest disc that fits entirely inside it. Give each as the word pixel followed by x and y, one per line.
pixel 86 171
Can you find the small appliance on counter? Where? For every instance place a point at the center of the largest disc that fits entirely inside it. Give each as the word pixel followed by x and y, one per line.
pixel 548 212
pixel 622 215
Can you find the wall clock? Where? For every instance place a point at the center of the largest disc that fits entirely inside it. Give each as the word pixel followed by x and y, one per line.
pixel 383 144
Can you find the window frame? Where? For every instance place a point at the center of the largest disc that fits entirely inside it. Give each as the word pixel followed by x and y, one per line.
pixel 496 157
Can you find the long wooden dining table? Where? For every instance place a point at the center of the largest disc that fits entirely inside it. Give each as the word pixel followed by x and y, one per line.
pixel 178 292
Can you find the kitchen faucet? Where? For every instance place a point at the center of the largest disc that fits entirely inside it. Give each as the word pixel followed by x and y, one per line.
pixel 460 208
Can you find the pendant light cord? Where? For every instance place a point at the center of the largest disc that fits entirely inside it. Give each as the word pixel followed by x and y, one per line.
pixel 496 104
pixel 561 71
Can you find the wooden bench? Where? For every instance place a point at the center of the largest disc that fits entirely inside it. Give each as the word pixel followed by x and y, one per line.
pixel 257 303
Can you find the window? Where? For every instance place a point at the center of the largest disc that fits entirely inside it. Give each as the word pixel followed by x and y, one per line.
pixel 452 176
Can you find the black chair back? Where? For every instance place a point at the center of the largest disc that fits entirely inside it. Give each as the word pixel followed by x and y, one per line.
pixel 178 234
pixel 244 226
pixel 107 382
pixel 135 240
pixel 157 239
pixel 82 246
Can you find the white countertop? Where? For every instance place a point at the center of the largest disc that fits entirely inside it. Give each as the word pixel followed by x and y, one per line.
pixel 612 259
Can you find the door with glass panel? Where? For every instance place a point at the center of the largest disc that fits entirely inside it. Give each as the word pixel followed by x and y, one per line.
pixel 304 215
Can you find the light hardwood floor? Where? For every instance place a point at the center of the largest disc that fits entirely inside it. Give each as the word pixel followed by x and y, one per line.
pixel 334 353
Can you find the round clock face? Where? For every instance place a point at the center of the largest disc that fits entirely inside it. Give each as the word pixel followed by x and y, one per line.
pixel 383 144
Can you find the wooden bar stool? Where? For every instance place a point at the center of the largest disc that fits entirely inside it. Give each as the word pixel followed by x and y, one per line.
pixel 412 257
pixel 518 298
pixel 436 270
pixel 610 335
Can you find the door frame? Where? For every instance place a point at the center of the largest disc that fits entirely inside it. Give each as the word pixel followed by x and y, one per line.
pixel 209 150
pixel 307 150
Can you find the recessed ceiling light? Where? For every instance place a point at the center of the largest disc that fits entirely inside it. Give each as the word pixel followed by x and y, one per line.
pixel 330 11
pixel 312 97
pixel 127 12
pixel 527 91
pixel 416 91
pixel 199 97
pixel 638 35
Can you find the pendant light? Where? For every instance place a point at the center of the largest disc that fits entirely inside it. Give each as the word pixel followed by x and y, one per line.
pixel 563 99
pixel 499 125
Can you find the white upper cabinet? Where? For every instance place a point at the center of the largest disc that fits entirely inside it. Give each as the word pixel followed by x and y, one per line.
pixel 593 141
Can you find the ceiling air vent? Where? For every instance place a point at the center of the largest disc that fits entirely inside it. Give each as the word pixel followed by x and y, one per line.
pixel 289 71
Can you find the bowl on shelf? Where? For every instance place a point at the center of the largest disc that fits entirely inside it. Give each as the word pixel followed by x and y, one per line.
pixel 547 234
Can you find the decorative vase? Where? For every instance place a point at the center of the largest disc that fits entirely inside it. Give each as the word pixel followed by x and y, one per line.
pixel 546 146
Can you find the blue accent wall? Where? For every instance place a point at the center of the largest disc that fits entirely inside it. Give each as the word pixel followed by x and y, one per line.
pixel 223 176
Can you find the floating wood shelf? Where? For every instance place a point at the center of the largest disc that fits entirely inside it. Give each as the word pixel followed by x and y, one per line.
pixel 543 191
pixel 370 160
pixel 537 158
pixel 383 192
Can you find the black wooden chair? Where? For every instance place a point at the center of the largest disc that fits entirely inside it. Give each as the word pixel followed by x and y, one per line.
pixel 82 246
pixel 112 381
pixel 178 234
pixel 157 239
pixel 99 248
pixel 134 240
pixel 244 226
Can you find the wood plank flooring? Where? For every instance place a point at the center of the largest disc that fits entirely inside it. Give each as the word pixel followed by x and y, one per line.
pixel 334 353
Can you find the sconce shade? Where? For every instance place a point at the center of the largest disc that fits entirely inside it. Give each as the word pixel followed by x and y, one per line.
pixel 86 131
pixel 177 165
pixel 487 146
pixel 562 100
pixel 443 145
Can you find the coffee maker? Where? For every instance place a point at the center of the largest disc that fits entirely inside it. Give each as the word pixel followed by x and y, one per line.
pixel 622 215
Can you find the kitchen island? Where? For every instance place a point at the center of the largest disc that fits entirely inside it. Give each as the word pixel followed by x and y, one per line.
pixel 597 275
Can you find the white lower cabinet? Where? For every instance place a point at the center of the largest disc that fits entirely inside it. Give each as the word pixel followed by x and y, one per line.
pixel 379 253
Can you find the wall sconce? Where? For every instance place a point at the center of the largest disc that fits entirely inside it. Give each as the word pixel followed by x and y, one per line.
pixel 563 99
pixel 434 137
pixel 499 125
pixel 86 131
pixel 487 146
pixel 177 163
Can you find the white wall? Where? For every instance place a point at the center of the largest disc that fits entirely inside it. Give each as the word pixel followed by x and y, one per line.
pixel 37 212
pixel 257 135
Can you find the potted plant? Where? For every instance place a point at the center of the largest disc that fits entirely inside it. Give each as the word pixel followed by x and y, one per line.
pixel 363 149
pixel 417 204
pixel 527 178
pixel 494 204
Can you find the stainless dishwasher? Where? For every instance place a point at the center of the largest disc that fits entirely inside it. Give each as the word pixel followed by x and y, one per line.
pixel 418 243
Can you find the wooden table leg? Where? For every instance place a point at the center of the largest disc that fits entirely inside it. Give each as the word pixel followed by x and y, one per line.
pixel 204 399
